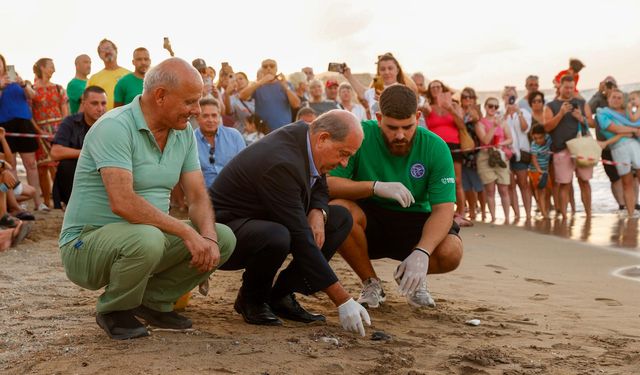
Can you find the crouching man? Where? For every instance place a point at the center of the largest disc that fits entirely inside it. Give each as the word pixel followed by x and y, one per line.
pixel 117 232
pixel 400 190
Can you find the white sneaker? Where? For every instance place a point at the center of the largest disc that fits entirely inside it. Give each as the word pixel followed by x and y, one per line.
pixel 43 207
pixel 372 294
pixel 421 297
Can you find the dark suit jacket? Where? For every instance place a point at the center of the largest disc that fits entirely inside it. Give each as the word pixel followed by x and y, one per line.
pixel 270 180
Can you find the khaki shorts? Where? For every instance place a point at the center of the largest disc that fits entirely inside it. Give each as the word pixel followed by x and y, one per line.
pixel 487 174
pixel 564 166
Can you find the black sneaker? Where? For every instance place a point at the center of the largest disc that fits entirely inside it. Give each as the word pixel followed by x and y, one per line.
pixel 121 325
pixel 160 319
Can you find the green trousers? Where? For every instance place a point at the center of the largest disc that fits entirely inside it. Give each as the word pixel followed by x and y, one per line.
pixel 138 264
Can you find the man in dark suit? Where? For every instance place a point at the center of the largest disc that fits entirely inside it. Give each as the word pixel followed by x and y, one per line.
pixel 274 197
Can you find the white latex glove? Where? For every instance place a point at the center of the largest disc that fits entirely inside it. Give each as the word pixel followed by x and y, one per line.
pixel 351 316
pixel 412 272
pixel 394 190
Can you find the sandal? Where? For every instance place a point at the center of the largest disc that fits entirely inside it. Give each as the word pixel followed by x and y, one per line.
pixel 8 221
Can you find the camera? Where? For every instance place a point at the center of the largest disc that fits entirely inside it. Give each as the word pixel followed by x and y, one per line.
pixel 337 67
pixel 512 100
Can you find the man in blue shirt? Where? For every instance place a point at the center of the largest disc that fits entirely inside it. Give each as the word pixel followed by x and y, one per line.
pixel 273 96
pixel 217 145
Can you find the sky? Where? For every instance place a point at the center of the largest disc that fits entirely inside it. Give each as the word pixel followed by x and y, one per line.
pixel 483 44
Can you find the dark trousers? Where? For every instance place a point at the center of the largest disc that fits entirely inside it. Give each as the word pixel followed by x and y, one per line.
pixel 262 247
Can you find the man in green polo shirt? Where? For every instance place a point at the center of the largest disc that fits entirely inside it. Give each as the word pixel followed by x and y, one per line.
pixel 117 232
pixel 130 86
pixel 75 87
pixel 400 190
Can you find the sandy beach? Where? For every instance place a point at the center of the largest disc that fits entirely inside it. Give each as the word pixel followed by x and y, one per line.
pixel 546 305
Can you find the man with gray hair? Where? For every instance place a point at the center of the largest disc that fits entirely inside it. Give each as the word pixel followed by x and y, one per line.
pixel 274 196
pixel 117 232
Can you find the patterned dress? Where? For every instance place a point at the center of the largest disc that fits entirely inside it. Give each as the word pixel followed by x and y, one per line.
pixel 46 107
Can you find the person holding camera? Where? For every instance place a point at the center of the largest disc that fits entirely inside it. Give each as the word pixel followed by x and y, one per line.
pixel 273 97
pixel 519 122
pixel 563 118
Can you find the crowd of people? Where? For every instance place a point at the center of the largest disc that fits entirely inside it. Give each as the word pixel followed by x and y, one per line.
pixel 387 169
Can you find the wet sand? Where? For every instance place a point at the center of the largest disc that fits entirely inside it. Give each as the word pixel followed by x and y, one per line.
pixel 546 305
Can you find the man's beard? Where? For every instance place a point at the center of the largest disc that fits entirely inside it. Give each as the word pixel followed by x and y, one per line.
pixel 398 148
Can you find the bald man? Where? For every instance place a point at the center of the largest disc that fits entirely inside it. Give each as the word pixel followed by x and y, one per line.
pixel 117 232
pixel 274 196
pixel 76 86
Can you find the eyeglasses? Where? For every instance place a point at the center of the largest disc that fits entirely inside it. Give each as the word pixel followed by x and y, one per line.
pixel 212 158
pixel 493 106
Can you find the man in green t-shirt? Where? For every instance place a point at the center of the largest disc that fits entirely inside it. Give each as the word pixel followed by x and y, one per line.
pixel 117 232
pixel 400 190
pixel 130 86
pixel 75 87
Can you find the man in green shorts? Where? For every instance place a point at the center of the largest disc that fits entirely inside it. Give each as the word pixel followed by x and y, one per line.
pixel 130 86
pixel 117 232
pixel 400 190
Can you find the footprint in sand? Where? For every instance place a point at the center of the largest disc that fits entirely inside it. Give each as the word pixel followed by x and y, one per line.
pixel 609 301
pixel 538 281
pixel 495 267
pixel 539 297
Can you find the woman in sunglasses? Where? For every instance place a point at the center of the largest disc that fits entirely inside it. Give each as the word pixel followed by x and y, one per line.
pixel 444 117
pixel 493 131
pixel 471 183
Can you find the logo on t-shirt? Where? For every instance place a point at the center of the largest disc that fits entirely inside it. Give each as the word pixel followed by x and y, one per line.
pixel 448 180
pixel 417 170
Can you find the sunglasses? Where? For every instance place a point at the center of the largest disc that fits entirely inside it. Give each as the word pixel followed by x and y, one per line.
pixel 467 97
pixel 212 158
pixel 493 106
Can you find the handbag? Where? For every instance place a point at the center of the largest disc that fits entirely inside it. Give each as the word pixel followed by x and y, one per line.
pixel 525 157
pixel 585 149
pixel 466 142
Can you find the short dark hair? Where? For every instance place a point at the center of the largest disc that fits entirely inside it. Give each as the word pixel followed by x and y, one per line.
pixel 538 129
pixel 567 78
pixel 209 101
pixel 533 95
pixel 398 102
pixel 305 111
pixel 92 89
pixel 140 49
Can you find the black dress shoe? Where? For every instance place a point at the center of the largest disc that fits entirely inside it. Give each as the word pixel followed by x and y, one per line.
pixel 288 307
pixel 160 319
pixel 255 312
pixel 121 325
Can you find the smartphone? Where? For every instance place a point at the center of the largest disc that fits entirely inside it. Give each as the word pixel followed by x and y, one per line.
pixel 11 72
pixel 512 100
pixel 336 67
pixel 574 105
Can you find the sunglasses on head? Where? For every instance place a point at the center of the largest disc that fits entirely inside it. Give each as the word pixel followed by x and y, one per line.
pixel 493 106
pixel 212 158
